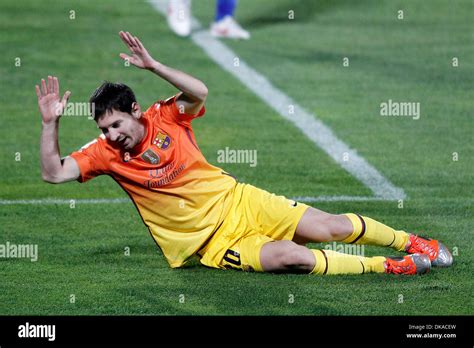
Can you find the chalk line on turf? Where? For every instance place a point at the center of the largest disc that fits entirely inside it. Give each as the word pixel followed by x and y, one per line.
pixel 50 201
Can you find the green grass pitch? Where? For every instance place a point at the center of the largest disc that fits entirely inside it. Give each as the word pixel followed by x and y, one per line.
pixel 82 249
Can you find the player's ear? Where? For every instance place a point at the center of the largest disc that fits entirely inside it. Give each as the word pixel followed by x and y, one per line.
pixel 136 110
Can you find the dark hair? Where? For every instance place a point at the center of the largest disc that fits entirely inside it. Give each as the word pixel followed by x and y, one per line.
pixel 111 96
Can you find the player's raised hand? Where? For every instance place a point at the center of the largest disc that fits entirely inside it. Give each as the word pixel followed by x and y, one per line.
pixel 140 56
pixel 50 104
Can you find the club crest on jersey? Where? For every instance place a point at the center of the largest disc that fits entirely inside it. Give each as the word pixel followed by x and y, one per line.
pixel 150 157
pixel 162 141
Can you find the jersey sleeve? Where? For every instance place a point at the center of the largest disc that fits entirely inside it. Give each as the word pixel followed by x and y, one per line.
pixel 168 110
pixel 90 160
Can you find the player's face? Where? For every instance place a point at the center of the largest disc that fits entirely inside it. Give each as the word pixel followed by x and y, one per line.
pixel 122 129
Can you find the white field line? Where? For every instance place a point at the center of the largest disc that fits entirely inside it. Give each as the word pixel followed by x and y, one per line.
pixel 63 201
pixel 54 201
pixel 312 127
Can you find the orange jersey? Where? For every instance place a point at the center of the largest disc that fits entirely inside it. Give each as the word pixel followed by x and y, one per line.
pixel 181 198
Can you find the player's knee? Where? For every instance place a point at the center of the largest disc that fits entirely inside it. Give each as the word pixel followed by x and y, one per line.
pixel 339 226
pixel 297 256
pixel 328 226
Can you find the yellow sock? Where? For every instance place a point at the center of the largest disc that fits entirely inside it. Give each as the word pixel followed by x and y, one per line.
pixel 369 231
pixel 332 262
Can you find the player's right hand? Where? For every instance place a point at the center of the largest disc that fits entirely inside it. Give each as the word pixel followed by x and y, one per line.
pixel 49 102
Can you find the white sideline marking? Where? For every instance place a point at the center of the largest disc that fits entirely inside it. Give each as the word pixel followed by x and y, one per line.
pixel 63 201
pixel 48 201
pixel 313 128
pixel 336 199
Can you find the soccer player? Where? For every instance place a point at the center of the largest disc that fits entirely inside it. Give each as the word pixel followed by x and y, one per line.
pixel 194 208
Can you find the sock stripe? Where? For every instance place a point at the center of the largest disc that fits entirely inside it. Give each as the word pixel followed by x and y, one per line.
pixel 363 267
pixel 363 230
pixel 325 258
pixel 394 237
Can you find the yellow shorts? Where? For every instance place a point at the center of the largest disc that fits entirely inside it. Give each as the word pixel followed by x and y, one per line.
pixel 255 218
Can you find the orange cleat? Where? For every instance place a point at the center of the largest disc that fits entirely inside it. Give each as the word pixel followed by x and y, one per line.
pixel 438 253
pixel 409 264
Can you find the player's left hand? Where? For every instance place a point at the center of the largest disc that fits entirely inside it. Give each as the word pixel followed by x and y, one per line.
pixel 140 56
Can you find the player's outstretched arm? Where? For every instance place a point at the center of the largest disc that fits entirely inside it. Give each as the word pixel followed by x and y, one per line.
pixel 194 91
pixel 51 106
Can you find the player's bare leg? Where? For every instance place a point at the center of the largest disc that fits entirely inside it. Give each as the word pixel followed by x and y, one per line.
pixel 318 226
pixel 287 256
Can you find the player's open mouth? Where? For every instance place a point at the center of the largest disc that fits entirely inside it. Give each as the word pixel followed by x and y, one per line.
pixel 123 141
